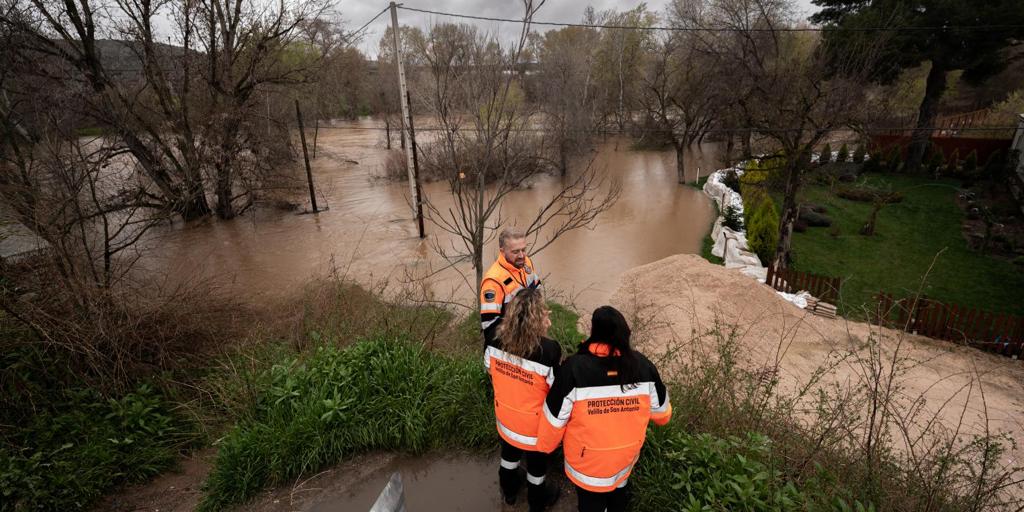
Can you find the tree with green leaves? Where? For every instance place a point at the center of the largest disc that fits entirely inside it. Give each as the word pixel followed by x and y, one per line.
pixel 949 34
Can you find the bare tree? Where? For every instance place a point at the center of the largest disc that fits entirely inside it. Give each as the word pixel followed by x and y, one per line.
pixel 488 146
pixel 683 93
pixel 789 92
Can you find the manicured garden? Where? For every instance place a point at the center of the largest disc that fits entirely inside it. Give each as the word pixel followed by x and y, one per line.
pixel 910 235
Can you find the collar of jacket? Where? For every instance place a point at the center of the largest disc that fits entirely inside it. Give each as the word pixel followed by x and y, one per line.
pixel 597 348
pixel 508 266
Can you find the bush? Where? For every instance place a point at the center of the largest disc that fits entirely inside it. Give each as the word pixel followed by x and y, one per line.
pixel 936 162
pixel 892 159
pixel 953 164
pixel 826 154
pixel 378 394
pixel 763 230
pixel 873 164
pixel 80 445
pixel 858 154
pixel 995 165
pixel 732 219
pixel 679 471
pixel 814 219
pixel 844 154
pixel 970 163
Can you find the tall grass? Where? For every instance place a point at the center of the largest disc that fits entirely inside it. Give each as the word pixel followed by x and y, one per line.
pixel 380 393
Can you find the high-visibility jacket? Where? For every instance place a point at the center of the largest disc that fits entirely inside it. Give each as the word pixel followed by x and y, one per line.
pixel 601 425
pixel 520 386
pixel 500 284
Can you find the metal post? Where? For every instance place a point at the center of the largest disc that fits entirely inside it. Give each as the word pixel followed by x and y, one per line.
pixel 305 156
pixel 406 121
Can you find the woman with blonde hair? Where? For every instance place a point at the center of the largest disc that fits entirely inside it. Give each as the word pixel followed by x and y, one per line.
pixel 521 362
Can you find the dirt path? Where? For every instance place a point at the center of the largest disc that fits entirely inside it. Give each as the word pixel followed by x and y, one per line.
pixel 687 295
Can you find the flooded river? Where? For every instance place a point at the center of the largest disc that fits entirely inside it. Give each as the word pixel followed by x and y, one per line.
pixel 368 229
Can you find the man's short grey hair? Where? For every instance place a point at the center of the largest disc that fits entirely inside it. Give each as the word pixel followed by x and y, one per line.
pixel 507 234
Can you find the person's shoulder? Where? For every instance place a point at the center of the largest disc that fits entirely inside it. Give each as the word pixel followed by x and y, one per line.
pixel 551 349
pixel 645 364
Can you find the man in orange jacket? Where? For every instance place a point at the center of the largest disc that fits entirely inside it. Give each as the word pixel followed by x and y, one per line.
pixel 512 272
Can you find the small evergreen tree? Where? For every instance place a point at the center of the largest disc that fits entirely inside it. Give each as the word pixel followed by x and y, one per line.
pixel 892 159
pixel 873 163
pixel 936 163
pixel 858 154
pixel 763 231
pixel 953 164
pixel 970 163
pixel 844 154
pixel 995 165
pixel 826 154
pixel 732 219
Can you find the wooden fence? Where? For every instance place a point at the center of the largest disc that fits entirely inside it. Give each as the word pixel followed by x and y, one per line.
pixel 825 289
pixel 995 332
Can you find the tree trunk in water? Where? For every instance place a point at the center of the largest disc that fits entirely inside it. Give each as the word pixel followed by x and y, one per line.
pixel 934 88
pixel 681 162
pixel 789 214
pixel 563 160
pixel 387 131
pixel 729 147
pixel 193 204
pixel 225 209
pixel 747 151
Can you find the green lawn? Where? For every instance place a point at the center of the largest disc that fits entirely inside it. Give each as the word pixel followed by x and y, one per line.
pixel 908 237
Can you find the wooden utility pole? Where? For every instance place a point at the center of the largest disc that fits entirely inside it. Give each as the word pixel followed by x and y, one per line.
pixel 410 155
pixel 305 156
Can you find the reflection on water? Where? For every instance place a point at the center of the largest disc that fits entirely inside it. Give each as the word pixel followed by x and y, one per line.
pixel 369 232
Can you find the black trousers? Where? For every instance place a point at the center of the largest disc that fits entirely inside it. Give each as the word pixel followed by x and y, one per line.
pixel 536 462
pixel 614 501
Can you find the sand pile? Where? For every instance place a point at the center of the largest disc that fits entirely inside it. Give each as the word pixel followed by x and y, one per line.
pixel 687 296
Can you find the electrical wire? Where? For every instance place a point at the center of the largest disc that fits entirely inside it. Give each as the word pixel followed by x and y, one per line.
pixel 353 35
pixel 713 29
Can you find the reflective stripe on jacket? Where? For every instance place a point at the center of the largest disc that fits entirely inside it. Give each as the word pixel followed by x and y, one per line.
pixel 601 425
pixel 500 284
pixel 520 386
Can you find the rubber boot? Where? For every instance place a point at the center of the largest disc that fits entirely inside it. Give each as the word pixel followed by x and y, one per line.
pixel 510 481
pixel 542 496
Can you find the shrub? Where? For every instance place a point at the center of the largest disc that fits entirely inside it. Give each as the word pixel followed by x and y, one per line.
pixel 844 154
pixel 380 393
pixel 858 154
pixel 873 164
pixel 970 163
pixel 995 165
pixel 75 448
pixel 936 162
pixel 953 163
pixel 763 230
pixel 814 219
pixel 732 219
pixel 826 154
pixel 892 159
pixel 684 472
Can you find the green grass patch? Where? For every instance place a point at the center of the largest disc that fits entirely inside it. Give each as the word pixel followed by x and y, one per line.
pixel 79 446
pixel 380 393
pixel 908 236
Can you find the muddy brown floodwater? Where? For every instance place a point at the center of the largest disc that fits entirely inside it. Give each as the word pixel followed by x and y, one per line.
pixel 368 229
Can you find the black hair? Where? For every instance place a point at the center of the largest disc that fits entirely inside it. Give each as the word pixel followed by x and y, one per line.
pixel 607 325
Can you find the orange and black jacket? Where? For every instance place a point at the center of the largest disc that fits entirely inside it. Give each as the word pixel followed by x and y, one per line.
pixel 520 386
pixel 601 425
pixel 500 284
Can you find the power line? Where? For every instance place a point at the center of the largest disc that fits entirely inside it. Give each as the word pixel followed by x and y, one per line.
pixel 353 35
pixel 714 29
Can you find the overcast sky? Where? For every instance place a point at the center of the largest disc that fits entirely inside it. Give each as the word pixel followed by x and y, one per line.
pixel 357 12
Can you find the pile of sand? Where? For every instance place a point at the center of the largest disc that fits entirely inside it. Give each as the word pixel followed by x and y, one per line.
pixel 688 296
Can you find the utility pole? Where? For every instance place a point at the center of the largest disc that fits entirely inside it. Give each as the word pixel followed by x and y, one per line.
pixel 305 156
pixel 410 156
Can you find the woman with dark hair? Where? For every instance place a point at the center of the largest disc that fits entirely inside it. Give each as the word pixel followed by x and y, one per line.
pixel 521 361
pixel 600 403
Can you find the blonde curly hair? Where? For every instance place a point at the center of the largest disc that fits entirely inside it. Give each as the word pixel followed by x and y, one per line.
pixel 523 326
